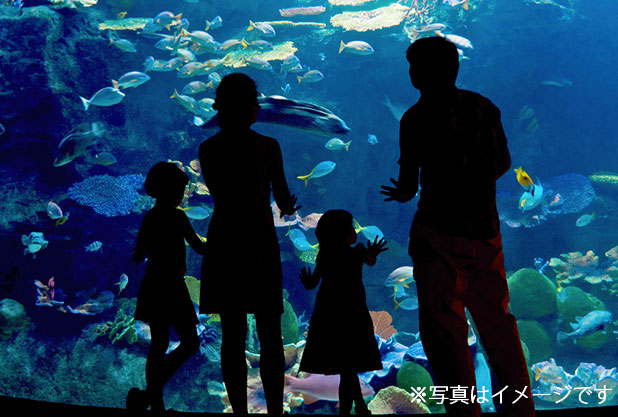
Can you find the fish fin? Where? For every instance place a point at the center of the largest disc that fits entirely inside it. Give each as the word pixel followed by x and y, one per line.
pixel 115 84
pixel 299 79
pixel 465 5
pixel 251 25
pixel 341 46
pixel 562 336
pixel 347 145
pixel 85 102
pixel 175 94
pixel 244 43
pixel 308 399
pixel 405 285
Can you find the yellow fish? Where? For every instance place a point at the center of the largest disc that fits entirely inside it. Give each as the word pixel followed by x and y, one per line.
pixel 523 178
pixel 121 15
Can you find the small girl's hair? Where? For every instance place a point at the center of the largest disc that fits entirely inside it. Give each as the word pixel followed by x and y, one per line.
pixel 333 228
pixel 164 180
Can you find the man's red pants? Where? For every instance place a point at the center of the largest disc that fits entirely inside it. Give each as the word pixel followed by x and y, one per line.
pixel 453 273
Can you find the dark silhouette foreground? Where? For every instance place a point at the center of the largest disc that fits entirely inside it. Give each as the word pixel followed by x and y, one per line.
pixel 340 339
pixel 241 271
pixel 455 139
pixel 163 300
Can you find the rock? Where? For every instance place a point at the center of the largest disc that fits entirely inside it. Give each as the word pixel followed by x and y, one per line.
pixel 13 317
pixel 532 294
pixel 536 339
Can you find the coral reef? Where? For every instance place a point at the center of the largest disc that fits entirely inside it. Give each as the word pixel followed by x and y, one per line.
pixel 382 324
pixel 590 384
pixel 13 317
pixel 573 301
pixel 349 2
pixel 130 23
pixel 536 339
pixel 289 324
pixel 108 195
pixel 279 52
pixel 394 400
pixel 574 266
pixel 364 20
pixel 532 294
pixel 413 376
pixel 19 201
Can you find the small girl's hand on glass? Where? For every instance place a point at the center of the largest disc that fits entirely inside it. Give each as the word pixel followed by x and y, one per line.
pixel 377 247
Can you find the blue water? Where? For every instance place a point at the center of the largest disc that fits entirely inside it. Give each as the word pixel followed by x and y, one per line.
pixel 559 62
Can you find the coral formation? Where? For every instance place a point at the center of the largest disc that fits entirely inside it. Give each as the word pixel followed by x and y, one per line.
pixel 532 294
pixel 349 2
pixel 574 266
pixel 279 52
pixel 13 317
pixel 536 339
pixel 394 400
pixel 573 301
pixel 364 20
pixel 591 382
pixel 289 324
pixel 107 195
pixel 382 324
pixel 130 23
pixel 413 376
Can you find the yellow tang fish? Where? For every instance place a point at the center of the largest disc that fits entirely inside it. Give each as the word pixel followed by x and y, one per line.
pixel 523 178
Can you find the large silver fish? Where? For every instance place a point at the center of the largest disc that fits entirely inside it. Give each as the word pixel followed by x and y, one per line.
pixel 592 322
pixel 295 114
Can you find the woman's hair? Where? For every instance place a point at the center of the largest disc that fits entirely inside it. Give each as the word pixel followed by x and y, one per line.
pixel 333 228
pixel 164 180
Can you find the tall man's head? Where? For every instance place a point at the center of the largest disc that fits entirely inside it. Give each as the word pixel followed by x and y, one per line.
pixel 434 63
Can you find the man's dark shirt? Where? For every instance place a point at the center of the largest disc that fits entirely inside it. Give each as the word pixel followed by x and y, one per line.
pixel 459 145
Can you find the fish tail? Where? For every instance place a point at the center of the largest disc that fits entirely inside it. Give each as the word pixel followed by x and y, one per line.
pixel 175 94
pixel 341 46
pixel 299 79
pixel 244 43
pixel 85 102
pixel 465 5
pixel 115 84
pixel 562 336
pixel 397 304
pixel 305 178
pixel 251 25
pixel 347 145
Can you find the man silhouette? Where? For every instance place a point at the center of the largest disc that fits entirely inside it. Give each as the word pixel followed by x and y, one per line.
pixel 454 138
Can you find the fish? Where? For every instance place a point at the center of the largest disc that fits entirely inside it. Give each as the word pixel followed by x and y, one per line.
pixel 372 139
pixel 2 129
pixel 295 114
pixel 336 144
pixel 316 387
pixel 263 28
pixel 256 62
pixel 75 143
pixel 299 240
pixel 370 232
pixel 312 76
pixel 532 198
pixel 585 220
pixel 257 45
pixel 432 27
pixel 167 19
pixel 55 213
pixel 409 303
pixel 453 3
pixel 123 44
pixel 558 82
pixel 130 79
pixel 397 110
pixel 94 246
pixel 232 45
pixel 122 283
pixel 549 371
pixel 200 38
pixel 151 64
pixel 121 15
pixel 457 40
pixel 401 276
pixel 187 102
pixel 195 87
pixel 523 178
pixel 107 96
pixel 213 24
pixel 592 322
pixel 356 47
pixel 105 158
pixel 286 89
pixel 196 212
pixel 216 388
pixel 291 63
pixel 320 170
pixel 33 243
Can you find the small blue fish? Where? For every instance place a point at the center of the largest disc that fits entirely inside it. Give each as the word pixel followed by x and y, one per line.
pixel 286 89
pixel 107 96
pixel 196 212
pixel 94 246
pixel 215 23
pixel 321 169
pixel 299 240
pixel 372 139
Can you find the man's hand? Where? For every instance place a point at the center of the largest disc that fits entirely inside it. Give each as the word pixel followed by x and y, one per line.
pixel 395 193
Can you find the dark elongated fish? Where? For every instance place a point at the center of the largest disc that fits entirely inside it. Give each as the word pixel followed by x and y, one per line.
pixel 295 114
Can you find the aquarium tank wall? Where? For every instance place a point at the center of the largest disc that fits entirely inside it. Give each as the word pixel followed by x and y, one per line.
pixel 93 93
